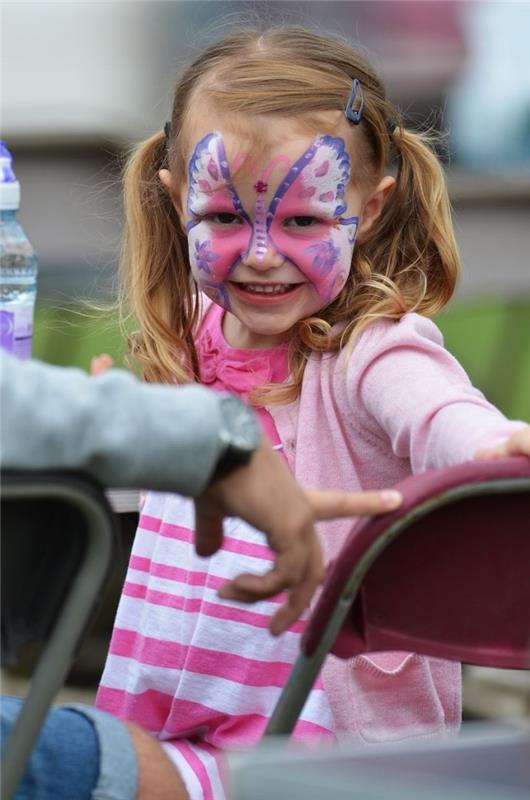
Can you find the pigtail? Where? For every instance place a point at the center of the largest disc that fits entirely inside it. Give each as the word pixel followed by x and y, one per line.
pixel 155 278
pixel 411 260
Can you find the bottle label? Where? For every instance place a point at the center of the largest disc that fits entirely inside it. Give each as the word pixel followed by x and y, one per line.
pixel 7 330
pixel 16 329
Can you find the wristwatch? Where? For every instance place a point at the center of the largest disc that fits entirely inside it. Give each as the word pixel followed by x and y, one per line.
pixel 240 435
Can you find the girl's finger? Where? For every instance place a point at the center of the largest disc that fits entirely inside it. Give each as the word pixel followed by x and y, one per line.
pixel 489 455
pixel 100 364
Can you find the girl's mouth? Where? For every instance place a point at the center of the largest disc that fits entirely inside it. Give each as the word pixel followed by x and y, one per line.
pixel 266 288
pixel 265 292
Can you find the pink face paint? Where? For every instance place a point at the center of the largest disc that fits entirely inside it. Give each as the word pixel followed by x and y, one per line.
pixel 273 163
pixel 241 158
pixel 312 190
pixel 315 189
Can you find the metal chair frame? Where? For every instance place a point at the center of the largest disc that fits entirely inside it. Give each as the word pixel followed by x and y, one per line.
pixel 306 668
pixel 89 501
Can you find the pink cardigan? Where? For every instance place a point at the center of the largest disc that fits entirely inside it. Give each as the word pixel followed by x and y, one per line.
pixel 400 403
pixel 397 403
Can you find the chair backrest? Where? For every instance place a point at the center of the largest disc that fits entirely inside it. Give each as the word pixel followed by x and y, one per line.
pixel 447 574
pixel 58 545
pixel 42 544
pixel 44 541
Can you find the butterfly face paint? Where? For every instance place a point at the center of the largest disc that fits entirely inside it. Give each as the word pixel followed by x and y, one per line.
pixel 314 189
pixel 303 222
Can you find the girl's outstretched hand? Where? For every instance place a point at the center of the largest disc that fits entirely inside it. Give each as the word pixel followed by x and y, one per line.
pixel 518 444
pixel 100 364
pixel 266 495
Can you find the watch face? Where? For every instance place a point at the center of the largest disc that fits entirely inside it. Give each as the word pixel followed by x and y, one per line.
pixel 240 435
pixel 241 425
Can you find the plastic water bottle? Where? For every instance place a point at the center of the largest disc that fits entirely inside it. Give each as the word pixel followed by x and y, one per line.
pixel 18 267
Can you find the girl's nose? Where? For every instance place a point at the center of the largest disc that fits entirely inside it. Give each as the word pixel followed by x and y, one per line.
pixel 262 254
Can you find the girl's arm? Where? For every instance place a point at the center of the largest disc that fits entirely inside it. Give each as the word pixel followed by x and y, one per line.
pixel 412 391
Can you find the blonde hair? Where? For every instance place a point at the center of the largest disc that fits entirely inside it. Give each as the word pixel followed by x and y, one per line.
pixel 409 261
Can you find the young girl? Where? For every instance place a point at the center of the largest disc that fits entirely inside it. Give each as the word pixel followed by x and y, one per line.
pixel 270 253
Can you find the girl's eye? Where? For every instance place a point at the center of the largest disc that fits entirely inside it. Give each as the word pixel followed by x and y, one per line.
pixel 224 218
pixel 301 222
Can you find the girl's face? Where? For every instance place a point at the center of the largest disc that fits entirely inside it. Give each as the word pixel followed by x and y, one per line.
pixel 271 228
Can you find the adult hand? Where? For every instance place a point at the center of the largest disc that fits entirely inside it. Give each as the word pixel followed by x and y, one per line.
pixel 518 444
pixel 266 495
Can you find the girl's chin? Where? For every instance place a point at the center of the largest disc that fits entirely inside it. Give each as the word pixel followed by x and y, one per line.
pixel 255 330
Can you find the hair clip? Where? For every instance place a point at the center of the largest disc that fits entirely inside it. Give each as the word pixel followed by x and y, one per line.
pixel 354 108
pixel 167 131
pixel 391 126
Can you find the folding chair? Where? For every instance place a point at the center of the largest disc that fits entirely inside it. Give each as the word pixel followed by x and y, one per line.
pixel 58 545
pixel 446 575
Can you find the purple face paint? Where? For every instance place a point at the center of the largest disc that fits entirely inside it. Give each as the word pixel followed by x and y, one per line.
pixel 204 256
pixel 260 221
pixel 210 194
pixel 303 222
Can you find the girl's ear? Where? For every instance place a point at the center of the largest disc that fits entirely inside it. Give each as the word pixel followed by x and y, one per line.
pixel 166 179
pixel 375 204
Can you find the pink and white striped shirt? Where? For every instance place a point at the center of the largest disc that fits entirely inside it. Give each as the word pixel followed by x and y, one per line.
pixel 201 673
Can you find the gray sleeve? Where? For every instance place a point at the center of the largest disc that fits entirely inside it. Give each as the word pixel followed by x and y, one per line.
pixel 120 431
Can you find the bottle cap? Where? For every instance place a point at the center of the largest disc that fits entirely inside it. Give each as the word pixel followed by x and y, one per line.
pixel 9 186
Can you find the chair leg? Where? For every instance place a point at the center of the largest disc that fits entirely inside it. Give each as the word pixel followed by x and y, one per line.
pixel 295 692
pixel 306 668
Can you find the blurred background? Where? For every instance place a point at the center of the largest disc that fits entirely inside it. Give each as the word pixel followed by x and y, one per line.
pixel 83 81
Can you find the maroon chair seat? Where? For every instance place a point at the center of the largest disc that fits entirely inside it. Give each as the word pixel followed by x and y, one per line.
pixel 446 575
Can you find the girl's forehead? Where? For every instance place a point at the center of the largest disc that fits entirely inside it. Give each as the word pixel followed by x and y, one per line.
pixel 251 142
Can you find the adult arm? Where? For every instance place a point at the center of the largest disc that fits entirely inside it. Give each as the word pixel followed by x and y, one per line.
pixel 125 433
pixel 120 431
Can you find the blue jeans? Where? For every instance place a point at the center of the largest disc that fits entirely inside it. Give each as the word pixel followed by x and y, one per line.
pixel 81 753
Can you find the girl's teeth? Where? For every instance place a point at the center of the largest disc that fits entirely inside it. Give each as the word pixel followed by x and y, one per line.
pixel 269 288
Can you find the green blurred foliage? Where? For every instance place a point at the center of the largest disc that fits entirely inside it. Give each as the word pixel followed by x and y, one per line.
pixel 490 339
pixel 70 335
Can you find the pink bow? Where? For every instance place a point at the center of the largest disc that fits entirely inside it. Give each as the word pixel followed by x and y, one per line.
pixel 237 376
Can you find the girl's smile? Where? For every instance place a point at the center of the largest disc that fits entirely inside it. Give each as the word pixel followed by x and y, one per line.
pixel 262 312
pixel 265 292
